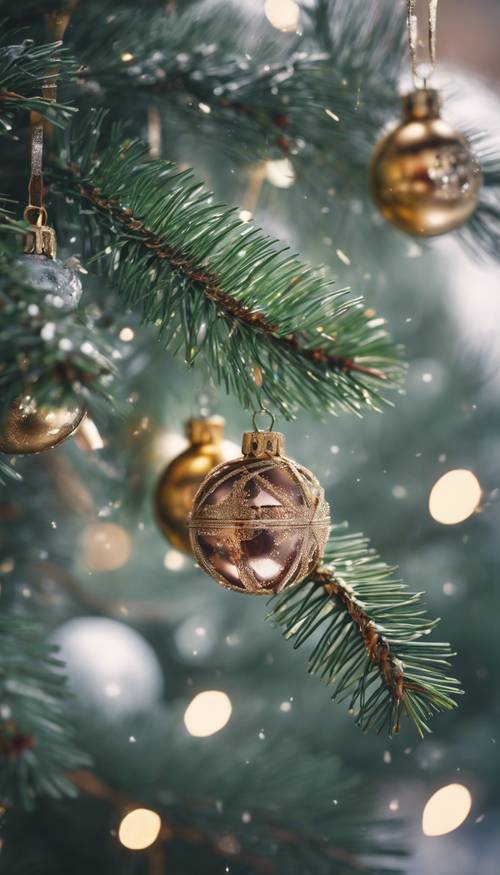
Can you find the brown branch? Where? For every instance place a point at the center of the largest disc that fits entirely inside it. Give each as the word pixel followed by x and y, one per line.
pixel 11 95
pixel 210 285
pixel 92 785
pixel 133 612
pixel 377 647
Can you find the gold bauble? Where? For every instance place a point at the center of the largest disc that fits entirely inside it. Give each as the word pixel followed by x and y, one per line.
pixel 30 428
pixel 424 177
pixel 181 479
pixel 261 522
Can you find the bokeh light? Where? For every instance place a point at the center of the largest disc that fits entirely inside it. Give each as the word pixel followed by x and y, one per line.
pixel 280 173
pixel 174 560
pixel 139 829
pixel 105 546
pixel 446 810
pixel 196 637
pixel 282 14
pixel 208 713
pixel 166 446
pixel 126 335
pixel 454 497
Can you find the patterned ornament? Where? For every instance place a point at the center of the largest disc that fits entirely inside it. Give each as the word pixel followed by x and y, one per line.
pixel 424 177
pixel 261 522
pixel 30 428
pixel 181 479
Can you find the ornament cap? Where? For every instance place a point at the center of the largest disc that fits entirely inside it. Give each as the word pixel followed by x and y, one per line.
pixel 40 241
pixel 262 443
pixel 208 430
pixel 421 104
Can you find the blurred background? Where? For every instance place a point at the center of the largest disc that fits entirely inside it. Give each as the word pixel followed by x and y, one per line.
pixel 144 633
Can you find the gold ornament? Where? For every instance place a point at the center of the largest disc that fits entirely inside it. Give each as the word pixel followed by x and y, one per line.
pixel 181 479
pixel 32 428
pixel 261 522
pixel 424 177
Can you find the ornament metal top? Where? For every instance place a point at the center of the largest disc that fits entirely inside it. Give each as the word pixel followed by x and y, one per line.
pixel 261 522
pixel 424 177
pixel 179 483
pixel 61 284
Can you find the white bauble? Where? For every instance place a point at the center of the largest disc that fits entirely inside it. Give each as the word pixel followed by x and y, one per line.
pixel 109 665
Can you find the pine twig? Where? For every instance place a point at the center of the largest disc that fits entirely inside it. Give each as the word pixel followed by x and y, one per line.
pixel 214 284
pixel 36 738
pixel 368 638
pixel 23 69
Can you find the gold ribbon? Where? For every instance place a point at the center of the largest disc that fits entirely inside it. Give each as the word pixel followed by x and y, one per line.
pixel 412 24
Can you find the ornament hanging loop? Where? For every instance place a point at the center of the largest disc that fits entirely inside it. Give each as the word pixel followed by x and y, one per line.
pixel 420 81
pixel 263 412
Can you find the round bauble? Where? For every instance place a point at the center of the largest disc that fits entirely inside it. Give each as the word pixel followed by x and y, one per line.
pixel 109 665
pixel 177 486
pixel 261 522
pixel 29 427
pixel 60 284
pixel 424 177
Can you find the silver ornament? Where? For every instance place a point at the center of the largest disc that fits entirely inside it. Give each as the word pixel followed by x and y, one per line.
pixel 61 284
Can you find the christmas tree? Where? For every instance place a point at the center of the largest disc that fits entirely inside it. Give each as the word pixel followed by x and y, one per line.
pixel 163 721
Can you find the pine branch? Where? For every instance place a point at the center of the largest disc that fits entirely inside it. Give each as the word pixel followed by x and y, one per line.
pixel 36 737
pixel 321 102
pixel 217 286
pixel 276 96
pixel 367 634
pixel 23 69
pixel 270 781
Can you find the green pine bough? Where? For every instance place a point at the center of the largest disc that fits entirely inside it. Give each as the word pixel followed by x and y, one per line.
pixel 221 288
pixel 23 68
pixel 369 638
pixel 306 101
pixel 36 736
pixel 271 327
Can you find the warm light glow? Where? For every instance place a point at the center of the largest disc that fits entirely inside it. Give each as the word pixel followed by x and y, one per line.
pixel 230 450
pixel 207 713
pixel 126 334
pixel 166 446
pixel 454 497
pixel 173 560
pixel 106 546
pixel 446 810
pixel 127 57
pixel 139 829
pixel 245 215
pixel 282 14
pixel 280 173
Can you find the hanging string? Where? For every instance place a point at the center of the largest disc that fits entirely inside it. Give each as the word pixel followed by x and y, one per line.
pixel 412 24
pixel 35 212
pixel 41 239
